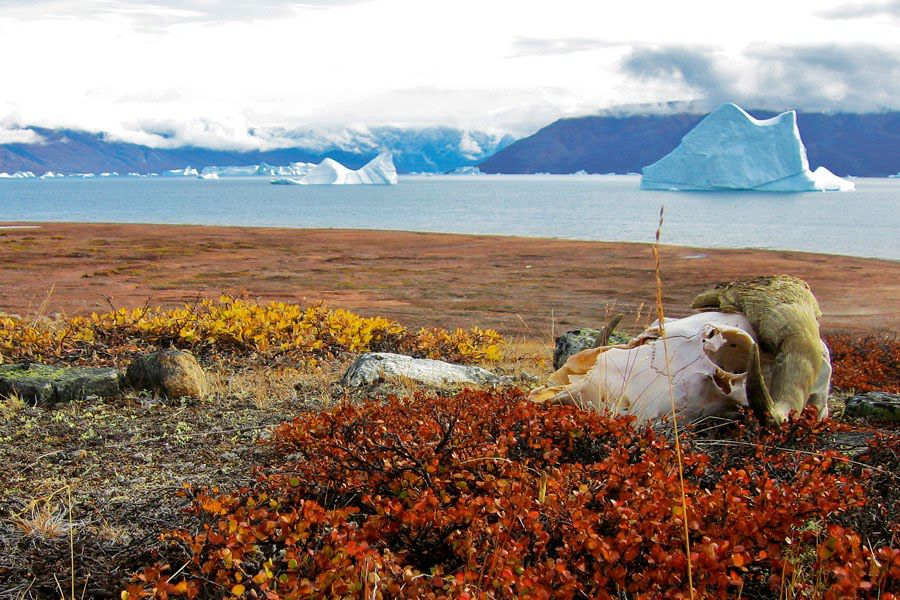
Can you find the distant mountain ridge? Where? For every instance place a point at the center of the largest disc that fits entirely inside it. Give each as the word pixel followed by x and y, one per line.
pixel 434 149
pixel 866 145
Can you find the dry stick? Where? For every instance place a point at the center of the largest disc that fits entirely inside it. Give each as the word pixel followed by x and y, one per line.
pixel 662 334
pixel 840 458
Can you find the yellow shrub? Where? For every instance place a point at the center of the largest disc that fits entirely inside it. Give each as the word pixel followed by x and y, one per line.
pixel 233 326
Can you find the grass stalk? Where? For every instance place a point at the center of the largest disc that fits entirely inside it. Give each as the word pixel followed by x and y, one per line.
pixel 660 314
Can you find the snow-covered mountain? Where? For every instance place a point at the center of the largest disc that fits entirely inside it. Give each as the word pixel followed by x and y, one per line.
pixel 432 149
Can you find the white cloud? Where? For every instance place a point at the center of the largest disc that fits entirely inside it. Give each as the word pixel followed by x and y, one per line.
pixel 469 147
pixel 241 74
pixel 15 135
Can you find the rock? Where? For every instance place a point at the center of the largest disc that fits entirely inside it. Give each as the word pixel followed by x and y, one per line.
pixel 170 373
pixel 874 406
pixel 573 342
pixel 373 367
pixel 49 385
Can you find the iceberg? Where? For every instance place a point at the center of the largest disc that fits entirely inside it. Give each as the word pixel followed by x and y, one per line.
pixel 473 170
pixel 208 176
pixel 730 150
pixel 185 172
pixel 379 171
pixel 295 169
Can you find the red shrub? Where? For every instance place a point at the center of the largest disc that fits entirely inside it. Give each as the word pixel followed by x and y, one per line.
pixel 486 495
pixel 865 363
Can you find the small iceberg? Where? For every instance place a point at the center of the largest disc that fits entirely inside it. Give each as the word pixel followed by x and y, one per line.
pixel 730 150
pixel 208 176
pixel 379 171
pixel 185 172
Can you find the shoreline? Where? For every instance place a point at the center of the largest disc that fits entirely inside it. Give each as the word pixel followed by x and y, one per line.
pixel 526 286
pixel 12 224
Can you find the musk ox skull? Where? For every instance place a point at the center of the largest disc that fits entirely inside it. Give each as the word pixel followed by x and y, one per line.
pixel 713 358
pixel 784 314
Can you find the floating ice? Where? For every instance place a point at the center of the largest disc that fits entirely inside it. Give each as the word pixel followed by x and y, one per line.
pixel 185 172
pixel 379 170
pixel 730 150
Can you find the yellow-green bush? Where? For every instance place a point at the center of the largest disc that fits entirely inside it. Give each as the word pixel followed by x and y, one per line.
pixel 231 326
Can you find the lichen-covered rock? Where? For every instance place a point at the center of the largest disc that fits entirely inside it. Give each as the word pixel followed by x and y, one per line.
pixel 170 373
pixel 372 367
pixel 573 342
pixel 49 385
pixel 874 406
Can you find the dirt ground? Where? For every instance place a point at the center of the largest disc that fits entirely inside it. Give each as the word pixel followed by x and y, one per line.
pixel 521 286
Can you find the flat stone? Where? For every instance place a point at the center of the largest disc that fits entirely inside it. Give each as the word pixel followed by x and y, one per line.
pixel 874 406
pixel 49 385
pixel 372 367
pixel 573 342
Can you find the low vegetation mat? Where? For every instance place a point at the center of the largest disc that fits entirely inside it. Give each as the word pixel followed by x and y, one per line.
pixel 482 494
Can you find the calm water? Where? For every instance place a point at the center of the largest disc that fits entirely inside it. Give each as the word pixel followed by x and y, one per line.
pixel 612 208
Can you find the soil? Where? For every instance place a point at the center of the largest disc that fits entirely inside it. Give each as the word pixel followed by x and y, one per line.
pixel 521 286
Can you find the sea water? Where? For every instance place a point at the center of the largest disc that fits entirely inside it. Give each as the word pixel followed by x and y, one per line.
pixel 610 208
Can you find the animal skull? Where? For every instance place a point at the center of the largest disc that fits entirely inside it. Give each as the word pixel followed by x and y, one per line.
pixel 708 357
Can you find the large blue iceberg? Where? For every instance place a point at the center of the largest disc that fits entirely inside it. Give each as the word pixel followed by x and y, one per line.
pixel 730 150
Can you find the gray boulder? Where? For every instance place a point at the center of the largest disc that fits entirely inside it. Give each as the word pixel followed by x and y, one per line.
pixel 372 367
pixel 874 406
pixel 170 373
pixel 45 384
pixel 573 342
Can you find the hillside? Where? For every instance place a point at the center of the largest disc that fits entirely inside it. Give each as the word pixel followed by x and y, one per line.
pixel 434 149
pixel 848 144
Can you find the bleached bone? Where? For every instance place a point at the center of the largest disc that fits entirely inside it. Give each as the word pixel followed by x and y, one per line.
pixel 708 358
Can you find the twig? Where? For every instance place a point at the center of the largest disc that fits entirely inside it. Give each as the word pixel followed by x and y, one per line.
pixel 797 451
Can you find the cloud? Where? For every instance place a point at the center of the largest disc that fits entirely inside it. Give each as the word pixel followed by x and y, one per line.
pixel 862 10
pixel 528 46
pixel 469 147
pixel 693 66
pixel 157 15
pixel 15 135
pixel 856 78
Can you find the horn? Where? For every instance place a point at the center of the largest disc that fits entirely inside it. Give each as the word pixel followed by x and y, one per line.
pixel 603 338
pixel 758 392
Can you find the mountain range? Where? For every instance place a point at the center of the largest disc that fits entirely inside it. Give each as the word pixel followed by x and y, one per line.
pixel 611 142
pixel 433 149
pixel 866 145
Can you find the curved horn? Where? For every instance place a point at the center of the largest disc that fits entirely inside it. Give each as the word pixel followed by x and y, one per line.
pixel 603 338
pixel 758 392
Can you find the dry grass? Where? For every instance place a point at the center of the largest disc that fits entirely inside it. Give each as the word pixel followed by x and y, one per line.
pixel 11 406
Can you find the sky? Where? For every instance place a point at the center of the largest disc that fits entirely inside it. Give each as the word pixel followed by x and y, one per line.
pixel 238 74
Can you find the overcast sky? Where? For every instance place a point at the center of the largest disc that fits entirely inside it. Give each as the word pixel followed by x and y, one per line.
pixel 232 73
